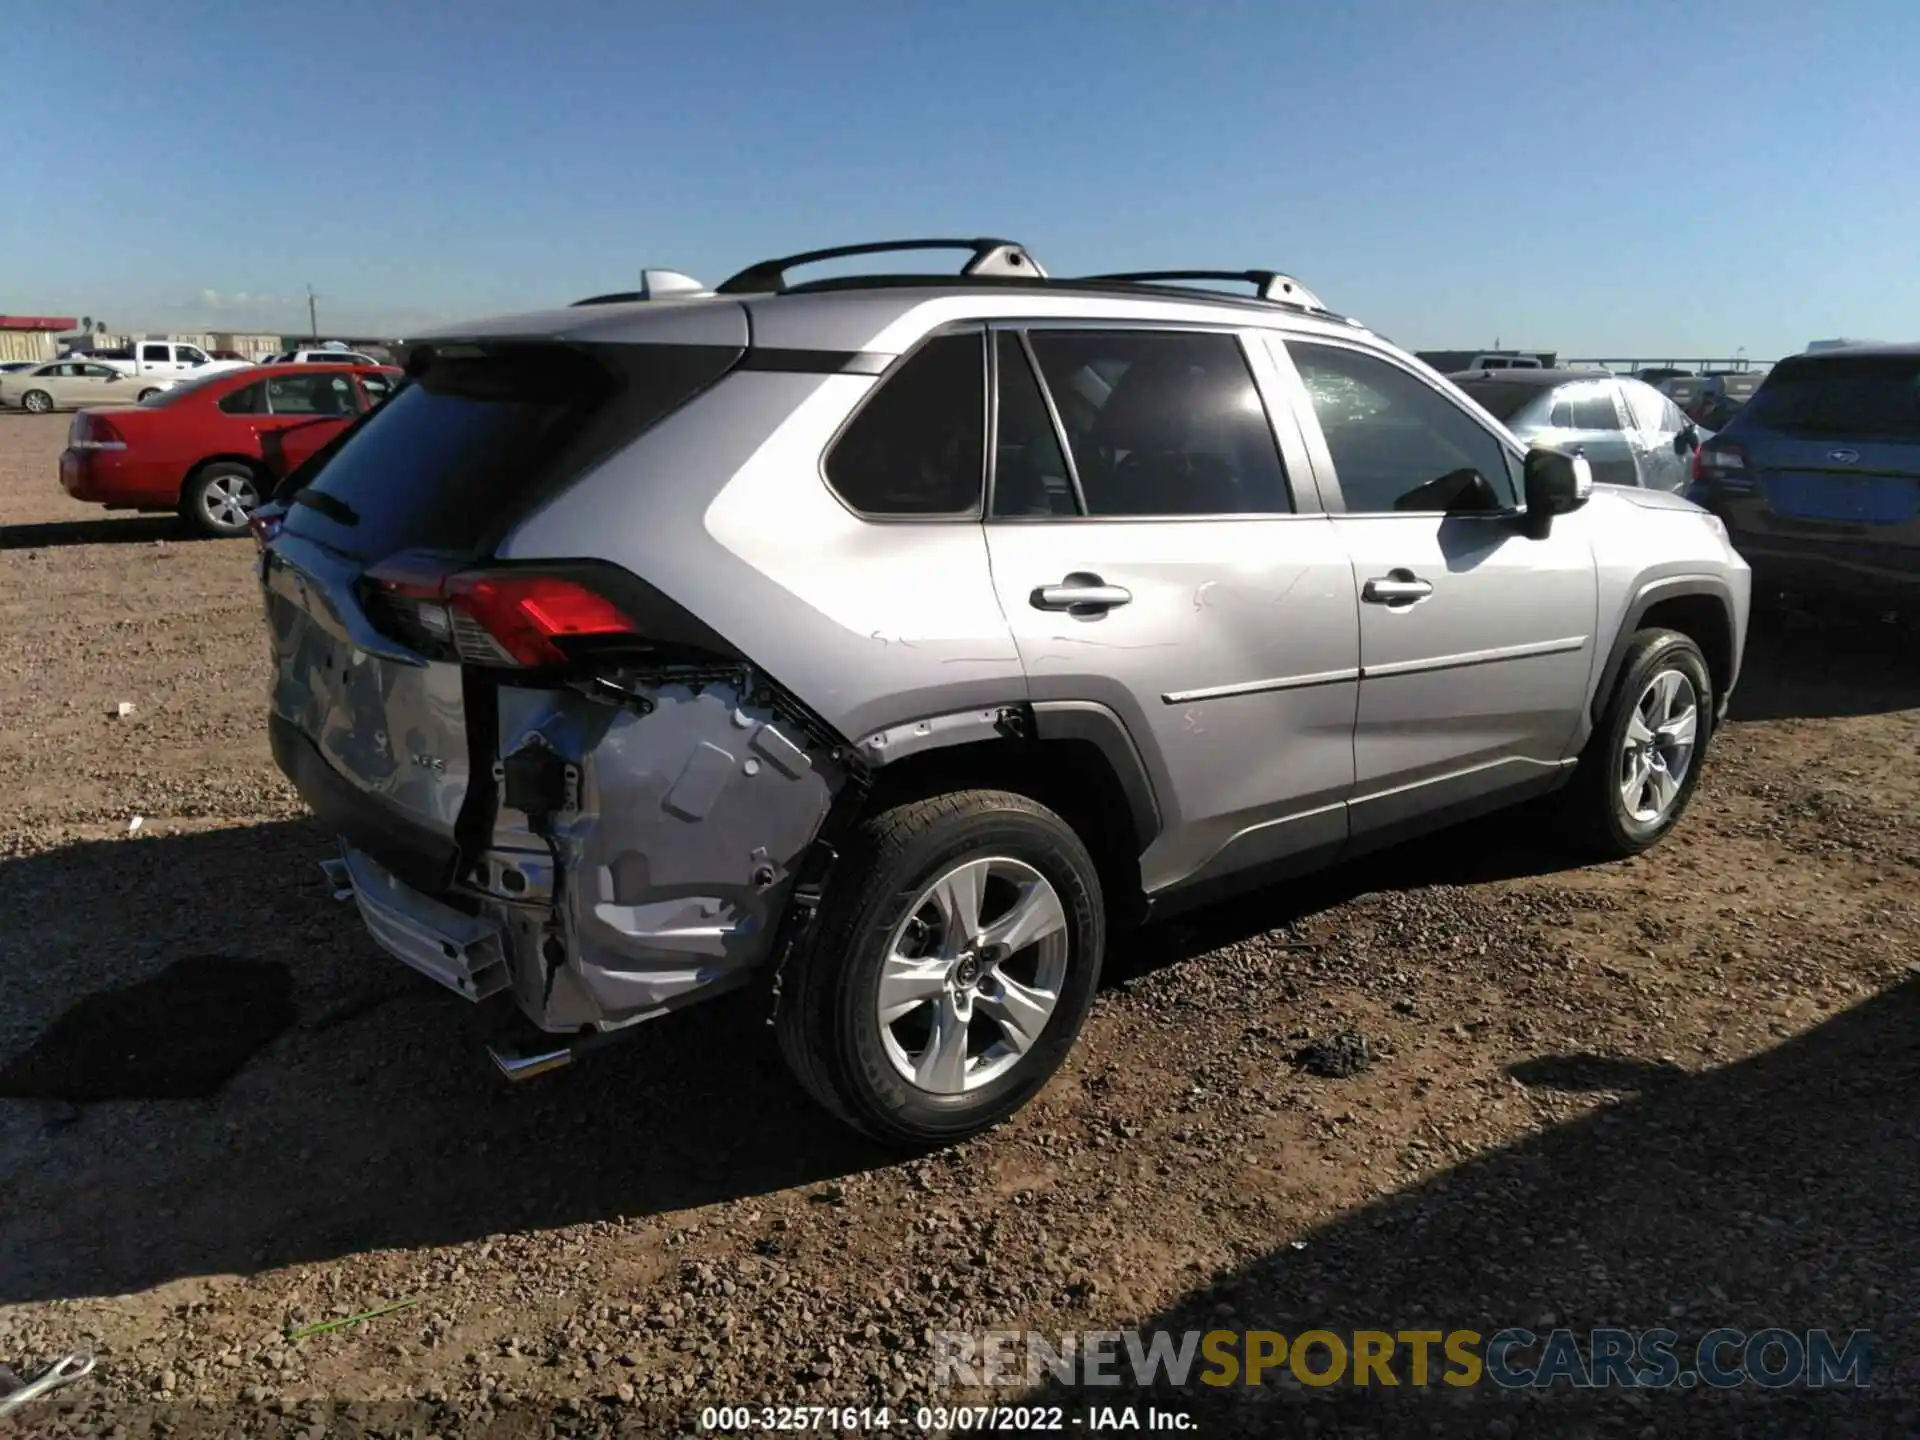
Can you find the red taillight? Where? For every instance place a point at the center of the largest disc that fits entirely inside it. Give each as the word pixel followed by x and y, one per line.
pixel 526 614
pixel 95 432
pixel 494 617
pixel 1722 460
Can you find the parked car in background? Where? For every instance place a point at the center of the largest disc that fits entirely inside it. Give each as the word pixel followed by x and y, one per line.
pixel 637 661
pixel 8 367
pixel 1658 375
pixel 1504 362
pixel 1630 432
pixel 320 356
pixel 149 361
pixel 231 355
pixel 1818 476
pixel 210 449
pixel 66 385
pixel 1711 400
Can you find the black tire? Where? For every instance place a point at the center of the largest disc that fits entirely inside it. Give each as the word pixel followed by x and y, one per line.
pixel 213 496
pixel 37 402
pixel 828 1022
pixel 1595 812
pixel 147 394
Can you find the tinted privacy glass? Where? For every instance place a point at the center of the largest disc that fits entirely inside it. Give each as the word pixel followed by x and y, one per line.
pixel 1163 423
pixel 1869 397
pixel 247 400
pixel 1396 443
pixel 155 352
pixel 1030 472
pixel 473 442
pixel 918 446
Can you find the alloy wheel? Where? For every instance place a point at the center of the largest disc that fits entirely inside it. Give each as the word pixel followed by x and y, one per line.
pixel 1657 752
pixel 972 975
pixel 230 499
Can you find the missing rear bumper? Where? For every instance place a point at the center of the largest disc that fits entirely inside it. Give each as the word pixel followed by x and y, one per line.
pixel 460 951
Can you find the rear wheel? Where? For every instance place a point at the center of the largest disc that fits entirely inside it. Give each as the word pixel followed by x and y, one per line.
pixel 1643 760
pixel 220 497
pixel 36 402
pixel 951 967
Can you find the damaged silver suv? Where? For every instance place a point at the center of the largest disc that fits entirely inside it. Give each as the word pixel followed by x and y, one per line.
pixel 891 640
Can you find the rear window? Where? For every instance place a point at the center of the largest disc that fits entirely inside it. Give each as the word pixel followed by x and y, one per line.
pixel 1501 399
pixel 481 436
pixel 1862 397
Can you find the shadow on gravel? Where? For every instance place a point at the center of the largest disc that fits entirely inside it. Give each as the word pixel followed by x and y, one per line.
pixel 179 1036
pixel 130 530
pixel 376 1121
pixel 1816 667
pixel 1777 1191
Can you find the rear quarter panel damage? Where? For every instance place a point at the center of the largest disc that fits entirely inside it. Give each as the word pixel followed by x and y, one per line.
pixel 689 809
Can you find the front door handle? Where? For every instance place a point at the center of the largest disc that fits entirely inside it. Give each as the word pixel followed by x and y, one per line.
pixel 1080 594
pixel 1401 587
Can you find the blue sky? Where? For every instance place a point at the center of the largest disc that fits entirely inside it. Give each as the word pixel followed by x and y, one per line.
pixel 1601 178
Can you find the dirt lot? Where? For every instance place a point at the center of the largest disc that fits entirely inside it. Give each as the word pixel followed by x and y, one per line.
pixel 1674 1092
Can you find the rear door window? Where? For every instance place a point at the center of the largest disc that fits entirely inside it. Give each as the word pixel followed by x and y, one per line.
pixel 1861 397
pixel 482 435
pixel 1163 422
pixel 317 393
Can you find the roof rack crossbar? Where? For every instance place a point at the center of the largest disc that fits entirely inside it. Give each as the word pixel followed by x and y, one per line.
pixel 1268 284
pixel 989 257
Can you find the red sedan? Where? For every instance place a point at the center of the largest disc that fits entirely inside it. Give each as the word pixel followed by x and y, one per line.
pixel 213 449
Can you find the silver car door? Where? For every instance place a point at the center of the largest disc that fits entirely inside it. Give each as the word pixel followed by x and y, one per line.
pixel 1476 639
pixel 1159 553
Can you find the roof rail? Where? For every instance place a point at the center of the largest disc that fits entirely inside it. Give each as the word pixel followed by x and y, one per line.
pixel 1268 284
pixel 654 285
pixel 990 257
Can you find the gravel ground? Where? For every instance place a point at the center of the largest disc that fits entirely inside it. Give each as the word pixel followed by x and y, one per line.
pixel 1457 1086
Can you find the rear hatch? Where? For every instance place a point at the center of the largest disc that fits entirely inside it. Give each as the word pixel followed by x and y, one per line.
pixel 390 632
pixel 1833 445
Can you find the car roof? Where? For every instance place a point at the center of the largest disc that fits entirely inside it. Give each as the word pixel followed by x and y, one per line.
pixel 1892 350
pixel 1526 375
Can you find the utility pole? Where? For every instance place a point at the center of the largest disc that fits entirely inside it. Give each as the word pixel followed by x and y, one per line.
pixel 313 319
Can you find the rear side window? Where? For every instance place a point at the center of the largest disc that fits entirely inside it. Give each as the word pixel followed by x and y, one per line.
pixel 1030 474
pixel 155 352
pixel 320 393
pixel 484 434
pixel 918 446
pixel 1593 407
pixel 247 400
pixel 1163 423
pixel 1862 397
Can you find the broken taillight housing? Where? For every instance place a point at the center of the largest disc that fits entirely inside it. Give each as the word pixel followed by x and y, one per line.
pixel 514 618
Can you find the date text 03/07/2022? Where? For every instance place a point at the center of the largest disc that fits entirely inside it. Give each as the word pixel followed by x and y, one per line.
pixel 944 1419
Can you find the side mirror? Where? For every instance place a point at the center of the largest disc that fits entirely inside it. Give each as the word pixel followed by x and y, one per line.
pixel 1556 484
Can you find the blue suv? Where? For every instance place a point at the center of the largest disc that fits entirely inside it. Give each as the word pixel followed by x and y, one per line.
pixel 1818 477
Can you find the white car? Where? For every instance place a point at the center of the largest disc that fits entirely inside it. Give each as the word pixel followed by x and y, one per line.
pixel 68 385
pixel 321 357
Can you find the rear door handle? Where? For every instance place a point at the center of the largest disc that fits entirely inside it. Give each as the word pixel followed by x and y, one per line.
pixel 1080 593
pixel 1401 587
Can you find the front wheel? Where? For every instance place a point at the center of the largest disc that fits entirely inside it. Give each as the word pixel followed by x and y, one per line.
pixel 37 402
pixel 951 968
pixel 1642 762
pixel 148 393
pixel 219 499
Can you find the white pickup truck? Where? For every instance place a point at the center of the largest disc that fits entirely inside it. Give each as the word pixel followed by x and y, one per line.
pixel 160 361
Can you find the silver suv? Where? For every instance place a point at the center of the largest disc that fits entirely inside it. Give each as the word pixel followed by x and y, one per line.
pixel 892 640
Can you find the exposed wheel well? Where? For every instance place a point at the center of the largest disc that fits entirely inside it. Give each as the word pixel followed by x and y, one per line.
pixel 1703 619
pixel 1073 778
